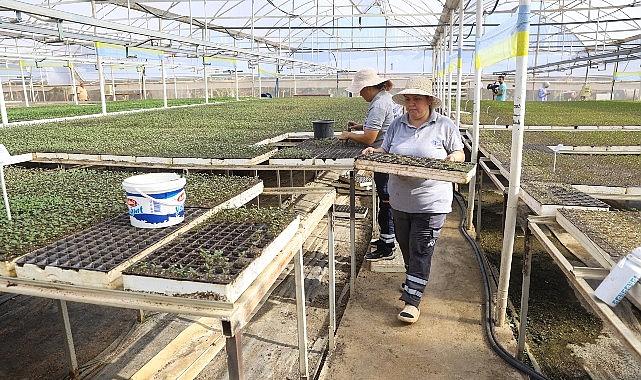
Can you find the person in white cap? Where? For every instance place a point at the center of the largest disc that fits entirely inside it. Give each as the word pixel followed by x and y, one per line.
pixel 380 114
pixel 543 92
pixel 419 206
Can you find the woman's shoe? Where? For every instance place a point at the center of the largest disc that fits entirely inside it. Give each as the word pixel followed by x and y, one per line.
pixel 409 314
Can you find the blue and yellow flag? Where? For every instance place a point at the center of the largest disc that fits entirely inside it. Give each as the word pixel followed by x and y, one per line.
pixel 627 75
pixel 455 62
pixel 510 39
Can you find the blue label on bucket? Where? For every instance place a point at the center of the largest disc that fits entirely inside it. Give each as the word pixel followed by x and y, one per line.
pixel 155 218
pixel 166 195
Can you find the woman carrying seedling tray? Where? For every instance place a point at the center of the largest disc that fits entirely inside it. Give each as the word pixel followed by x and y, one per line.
pixel 419 206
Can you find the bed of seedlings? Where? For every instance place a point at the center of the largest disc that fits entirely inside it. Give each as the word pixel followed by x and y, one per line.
pixel 68 109
pixel 585 169
pixel 47 205
pixel 227 130
pixel 596 224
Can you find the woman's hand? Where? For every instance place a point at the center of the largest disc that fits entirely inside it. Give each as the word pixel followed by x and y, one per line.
pixel 344 135
pixel 457 156
pixel 369 150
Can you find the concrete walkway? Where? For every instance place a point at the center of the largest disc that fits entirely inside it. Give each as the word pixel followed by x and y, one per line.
pixel 447 342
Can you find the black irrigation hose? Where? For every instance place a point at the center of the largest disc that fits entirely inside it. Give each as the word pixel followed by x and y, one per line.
pixel 488 323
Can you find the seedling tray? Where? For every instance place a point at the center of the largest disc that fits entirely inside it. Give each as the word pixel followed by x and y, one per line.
pixel 342 211
pixel 96 256
pixel 359 180
pixel 220 259
pixel 418 167
pixel 322 152
pixel 545 197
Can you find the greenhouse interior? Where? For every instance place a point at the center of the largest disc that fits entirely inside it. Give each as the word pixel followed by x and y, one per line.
pixel 213 189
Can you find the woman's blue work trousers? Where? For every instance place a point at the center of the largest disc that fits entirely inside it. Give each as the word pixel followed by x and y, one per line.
pixel 416 234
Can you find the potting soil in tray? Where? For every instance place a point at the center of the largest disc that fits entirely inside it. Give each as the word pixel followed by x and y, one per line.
pixel 219 257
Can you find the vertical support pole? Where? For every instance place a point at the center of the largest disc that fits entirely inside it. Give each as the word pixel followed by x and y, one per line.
pixel 74 87
pixel 140 317
pixel 459 63
pixel 164 83
pixel 303 365
pixel 205 81
pixel 332 277
pixel 352 231
pixel 24 85
pixel 101 72
pixel 516 158
pixel 374 205
pixel 525 292
pixel 476 116
pixel 5 197
pixel 234 348
pixel 478 209
pixel 70 350
pixel 3 107
pixel 280 197
pixel 113 83
pixel 505 200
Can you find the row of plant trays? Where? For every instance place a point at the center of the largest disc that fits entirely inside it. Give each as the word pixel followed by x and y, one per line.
pixel 590 228
pixel 544 198
pixel 97 256
pixel 418 167
pixel 311 152
pixel 170 161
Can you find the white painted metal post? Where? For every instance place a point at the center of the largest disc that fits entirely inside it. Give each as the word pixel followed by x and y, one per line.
pixel 303 365
pixel 101 80
pixel 352 232
pixel 73 85
pixel 332 278
pixel 459 61
pixel 24 86
pixel 101 74
pixel 205 81
pixel 113 83
pixel 476 114
pixel 164 82
pixel 5 196
pixel 449 66
pixel 515 166
pixel 3 106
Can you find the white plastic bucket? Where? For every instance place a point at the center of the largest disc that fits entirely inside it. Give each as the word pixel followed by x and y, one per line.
pixel 621 278
pixel 155 200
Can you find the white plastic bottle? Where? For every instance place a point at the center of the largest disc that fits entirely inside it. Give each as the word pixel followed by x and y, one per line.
pixel 621 278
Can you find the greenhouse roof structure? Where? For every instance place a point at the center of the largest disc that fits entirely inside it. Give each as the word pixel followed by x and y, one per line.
pixel 313 36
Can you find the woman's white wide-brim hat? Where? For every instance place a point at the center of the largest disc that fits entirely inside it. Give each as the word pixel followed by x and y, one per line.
pixel 419 85
pixel 363 78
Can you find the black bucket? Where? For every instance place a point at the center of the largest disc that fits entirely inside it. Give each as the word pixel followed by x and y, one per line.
pixel 323 129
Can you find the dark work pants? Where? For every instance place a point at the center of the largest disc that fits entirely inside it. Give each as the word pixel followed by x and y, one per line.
pixel 385 220
pixel 416 235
